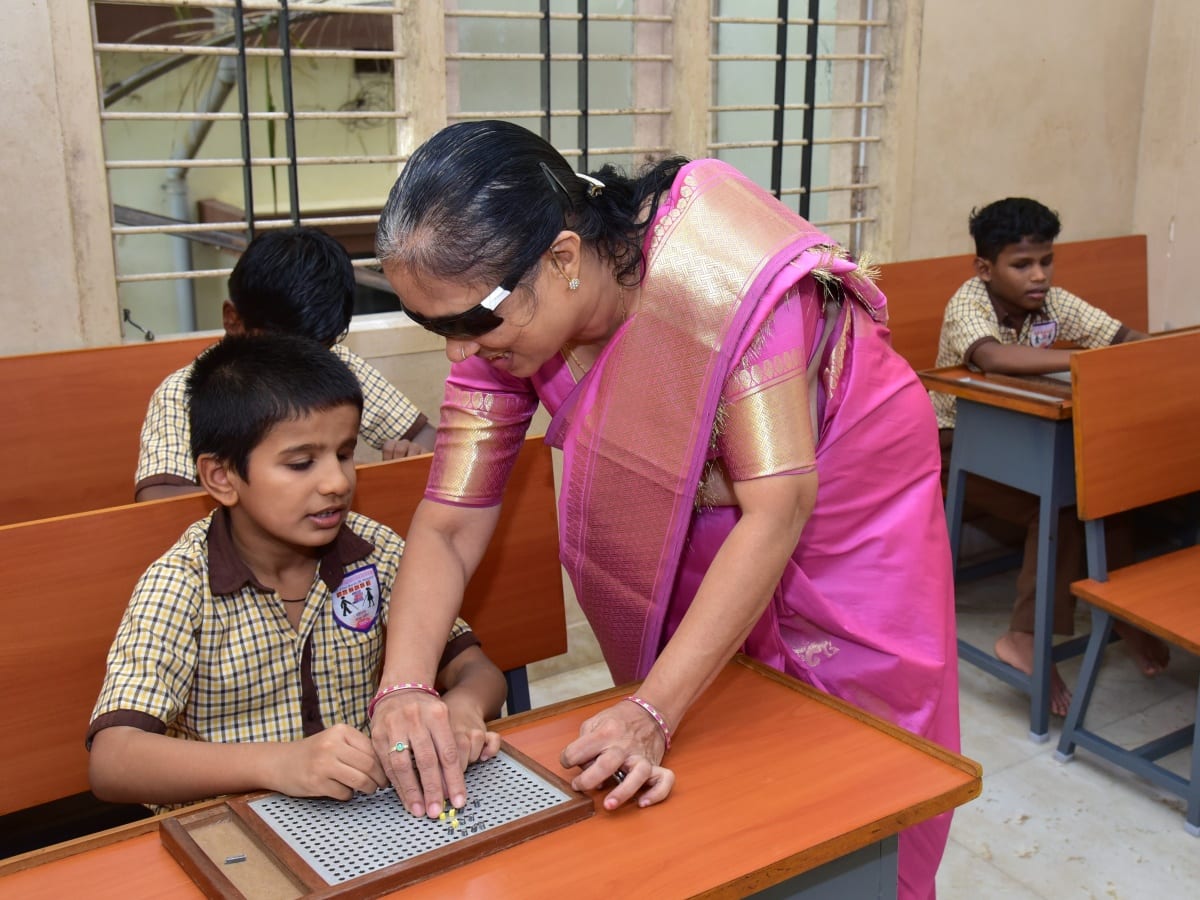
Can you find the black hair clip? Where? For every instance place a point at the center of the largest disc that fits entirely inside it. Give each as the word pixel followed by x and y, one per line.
pixel 594 185
pixel 555 184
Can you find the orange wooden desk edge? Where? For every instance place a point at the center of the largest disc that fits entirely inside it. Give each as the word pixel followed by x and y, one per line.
pixel 948 780
pixel 954 380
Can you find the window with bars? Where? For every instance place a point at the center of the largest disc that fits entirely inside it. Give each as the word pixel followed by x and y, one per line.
pixel 225 117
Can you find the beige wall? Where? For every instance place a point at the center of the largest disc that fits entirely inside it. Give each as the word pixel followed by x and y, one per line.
pixel 1005 105
pixel 57 288
pixel 1167 199
pixel 1090 107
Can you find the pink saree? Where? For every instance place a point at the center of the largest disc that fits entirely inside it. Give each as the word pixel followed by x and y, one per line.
pixel 864 609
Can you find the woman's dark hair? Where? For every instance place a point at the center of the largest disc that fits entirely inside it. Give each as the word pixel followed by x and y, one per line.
pixel 244 385
pixel 295 281
pixel 480 202
pixel 1009 221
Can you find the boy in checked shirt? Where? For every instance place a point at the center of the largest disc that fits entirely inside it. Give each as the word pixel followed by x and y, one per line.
pixel 1007 319
pixel 249 653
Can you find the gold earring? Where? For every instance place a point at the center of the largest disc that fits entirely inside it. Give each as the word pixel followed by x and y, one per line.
pixel 572 283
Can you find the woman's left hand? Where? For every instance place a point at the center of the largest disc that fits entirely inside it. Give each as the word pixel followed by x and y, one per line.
pixel 622 738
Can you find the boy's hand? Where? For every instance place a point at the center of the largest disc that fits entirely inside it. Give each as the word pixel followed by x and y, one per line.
pixel 401 448
pixel 475 742
pixel 334 763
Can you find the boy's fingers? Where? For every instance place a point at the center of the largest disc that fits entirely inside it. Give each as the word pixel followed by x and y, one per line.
pixel 491 745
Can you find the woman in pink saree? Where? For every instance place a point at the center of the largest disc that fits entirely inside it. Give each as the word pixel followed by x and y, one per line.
pixel 747 465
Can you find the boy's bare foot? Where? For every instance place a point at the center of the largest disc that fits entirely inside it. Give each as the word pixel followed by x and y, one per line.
pixel 1016 649
pixel 1150 653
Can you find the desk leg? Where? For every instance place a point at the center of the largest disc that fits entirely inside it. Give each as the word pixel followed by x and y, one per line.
pixel 1056 491
pixel 1034 455
pixel 867 873
pixel 1043 629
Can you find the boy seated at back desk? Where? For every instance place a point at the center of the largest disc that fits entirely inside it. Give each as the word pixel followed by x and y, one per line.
pixel 250 651
pixel 289 281
pixel 1006 319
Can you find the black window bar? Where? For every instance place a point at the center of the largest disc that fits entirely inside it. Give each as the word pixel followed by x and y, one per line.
pixel 582 77
pixel 544 43
pixel 781 36
pixel 289 107
pixel 284 27
pixel 239 31
pixel 810 102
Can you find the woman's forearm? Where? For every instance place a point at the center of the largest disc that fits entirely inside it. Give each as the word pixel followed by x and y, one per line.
pixel 733 594
pixel 442 550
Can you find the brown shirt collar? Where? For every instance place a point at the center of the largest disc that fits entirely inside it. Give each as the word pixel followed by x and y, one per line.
pixel 1016 323
pixel 228 572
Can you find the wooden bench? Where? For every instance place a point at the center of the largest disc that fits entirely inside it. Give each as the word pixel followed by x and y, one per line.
pixel 1136 434
pixel 1107 272
pixel 66 582
pixel 72 418
pixel 72 421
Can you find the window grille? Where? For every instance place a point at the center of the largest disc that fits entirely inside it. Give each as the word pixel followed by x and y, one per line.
pixel 225 117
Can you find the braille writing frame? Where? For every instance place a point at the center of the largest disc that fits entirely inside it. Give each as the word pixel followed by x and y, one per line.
pixel 206 843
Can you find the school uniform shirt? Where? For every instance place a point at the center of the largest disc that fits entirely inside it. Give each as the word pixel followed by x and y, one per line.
pixel 165 454
pixel 205 652
pixel 971 318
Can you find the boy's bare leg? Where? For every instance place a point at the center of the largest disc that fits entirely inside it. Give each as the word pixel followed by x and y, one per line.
pixel 1016 649
pixel 1151 654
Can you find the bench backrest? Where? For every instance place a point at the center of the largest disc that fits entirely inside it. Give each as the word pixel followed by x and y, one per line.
pixel 1107 272
pixel 66 581
pixel 1136 422
pixel 71 424
pixel 72 418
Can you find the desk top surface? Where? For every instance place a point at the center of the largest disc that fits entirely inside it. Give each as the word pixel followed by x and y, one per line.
pixel 1038 395
pixel 774 779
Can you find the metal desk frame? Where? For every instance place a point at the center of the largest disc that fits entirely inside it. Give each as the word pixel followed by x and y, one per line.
pixel 1020 436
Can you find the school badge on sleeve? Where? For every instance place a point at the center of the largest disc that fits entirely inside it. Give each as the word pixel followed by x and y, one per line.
pixel 356 601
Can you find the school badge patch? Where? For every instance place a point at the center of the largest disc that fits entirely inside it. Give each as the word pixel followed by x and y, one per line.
pixel 356 601
pixel 1042 334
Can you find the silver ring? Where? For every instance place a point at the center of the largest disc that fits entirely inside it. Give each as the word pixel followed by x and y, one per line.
pixel 400 747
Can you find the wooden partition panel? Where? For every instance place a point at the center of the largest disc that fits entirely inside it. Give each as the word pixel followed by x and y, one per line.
pixel 1137 423
pixel 71 422
pixel 65 583
pixel 63 586
pixel 1107 272
pixel 917 292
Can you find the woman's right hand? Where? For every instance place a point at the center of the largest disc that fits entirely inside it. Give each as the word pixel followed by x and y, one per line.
pixel 429 769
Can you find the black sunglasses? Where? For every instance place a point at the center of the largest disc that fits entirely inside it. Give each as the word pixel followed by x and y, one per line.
pixel 471 323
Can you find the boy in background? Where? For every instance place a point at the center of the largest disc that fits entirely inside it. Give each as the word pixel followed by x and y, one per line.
pixel 1006 319
pixel 290 281
pixel 249 654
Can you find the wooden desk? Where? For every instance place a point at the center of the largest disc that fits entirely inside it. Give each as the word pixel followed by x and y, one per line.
pixel 1016 431
pixel 780 788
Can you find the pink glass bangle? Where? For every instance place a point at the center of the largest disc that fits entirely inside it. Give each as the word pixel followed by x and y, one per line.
pixel 395 688
pixel 656 716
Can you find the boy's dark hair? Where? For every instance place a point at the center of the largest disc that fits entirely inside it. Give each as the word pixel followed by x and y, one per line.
pixel 295 281
pixel 244 385
pixel 1010 220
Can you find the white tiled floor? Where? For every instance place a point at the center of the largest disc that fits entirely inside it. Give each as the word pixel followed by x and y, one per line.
pixel 1041 829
